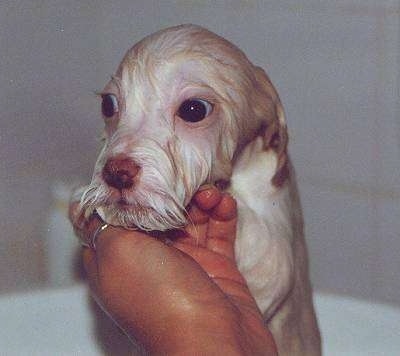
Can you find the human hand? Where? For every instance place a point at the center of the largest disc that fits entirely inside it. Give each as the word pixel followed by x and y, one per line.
pixel 182 297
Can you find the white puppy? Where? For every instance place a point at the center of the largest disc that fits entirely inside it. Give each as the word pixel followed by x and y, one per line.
pixel 186 107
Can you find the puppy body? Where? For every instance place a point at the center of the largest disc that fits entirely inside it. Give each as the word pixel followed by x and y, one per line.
pixel 271 253
pixel 242 139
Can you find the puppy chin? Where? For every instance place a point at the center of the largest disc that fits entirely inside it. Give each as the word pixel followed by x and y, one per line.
pixel 142 217
pixel 168 180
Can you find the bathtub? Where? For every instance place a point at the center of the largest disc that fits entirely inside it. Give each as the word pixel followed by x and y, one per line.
pixel 66 322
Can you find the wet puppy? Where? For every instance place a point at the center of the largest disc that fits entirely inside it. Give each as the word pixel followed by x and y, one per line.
pixel 186 107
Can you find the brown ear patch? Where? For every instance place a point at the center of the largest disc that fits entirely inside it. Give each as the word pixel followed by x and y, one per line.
pixel 282 173
pixel 276 139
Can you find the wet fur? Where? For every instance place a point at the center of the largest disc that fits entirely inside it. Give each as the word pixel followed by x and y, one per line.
pixel 244 141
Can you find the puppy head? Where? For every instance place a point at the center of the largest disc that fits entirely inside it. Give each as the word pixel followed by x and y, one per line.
pixel 181 106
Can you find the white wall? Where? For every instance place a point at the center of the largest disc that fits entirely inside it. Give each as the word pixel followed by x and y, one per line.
pixel 335 64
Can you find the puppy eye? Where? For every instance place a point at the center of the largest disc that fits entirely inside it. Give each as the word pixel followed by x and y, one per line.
pixel 109 105
pixel 194 110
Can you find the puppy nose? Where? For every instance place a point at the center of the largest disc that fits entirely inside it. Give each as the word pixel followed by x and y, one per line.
pixel 119 172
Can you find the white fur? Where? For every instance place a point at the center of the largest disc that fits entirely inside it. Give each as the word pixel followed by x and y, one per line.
pixel 233 143
pixel 264 227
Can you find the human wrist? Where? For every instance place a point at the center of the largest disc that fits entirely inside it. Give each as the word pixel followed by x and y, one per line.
pixel 205 335
pixel 222 333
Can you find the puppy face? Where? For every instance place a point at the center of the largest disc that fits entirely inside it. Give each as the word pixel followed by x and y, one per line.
pixel 180 107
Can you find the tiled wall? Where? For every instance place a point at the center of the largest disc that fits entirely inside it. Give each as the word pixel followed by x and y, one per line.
pixel 335 64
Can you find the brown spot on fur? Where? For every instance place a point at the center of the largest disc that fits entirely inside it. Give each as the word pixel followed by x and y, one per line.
pixel 276 138
pixel 282 173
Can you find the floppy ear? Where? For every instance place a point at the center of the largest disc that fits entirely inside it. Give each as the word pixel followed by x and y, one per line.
pixel 274 124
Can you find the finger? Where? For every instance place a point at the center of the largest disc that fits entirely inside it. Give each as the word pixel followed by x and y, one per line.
pixel 221 237
pixel 221 232
pixel 89 229
pixel 214 264
pixel 195 234
pixel 207 197
pixel 226 209
pixel 222 224
pixel 196 215
pixel 222 247
pixel 224 230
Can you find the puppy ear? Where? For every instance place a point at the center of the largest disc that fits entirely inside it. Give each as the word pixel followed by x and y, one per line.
pixel 275 134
